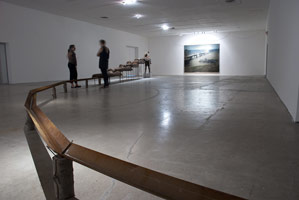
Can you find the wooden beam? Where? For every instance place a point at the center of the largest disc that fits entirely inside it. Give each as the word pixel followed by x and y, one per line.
pixel 142 178
pixel 150 181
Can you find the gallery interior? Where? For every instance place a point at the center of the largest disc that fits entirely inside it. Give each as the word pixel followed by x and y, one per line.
pixel 149 99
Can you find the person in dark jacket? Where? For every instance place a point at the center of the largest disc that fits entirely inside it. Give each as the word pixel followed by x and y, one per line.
pixel 147 61
pixel 72 64
pixel 104 54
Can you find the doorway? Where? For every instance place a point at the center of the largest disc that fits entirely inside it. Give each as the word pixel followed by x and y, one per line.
pixel 3 65
pixel 132 53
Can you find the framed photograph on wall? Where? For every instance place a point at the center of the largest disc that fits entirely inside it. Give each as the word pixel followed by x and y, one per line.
pixel 202 58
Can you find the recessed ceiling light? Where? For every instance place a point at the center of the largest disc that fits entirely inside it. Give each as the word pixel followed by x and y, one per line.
pixel 129 2
pixel 165 27
pixel 138 16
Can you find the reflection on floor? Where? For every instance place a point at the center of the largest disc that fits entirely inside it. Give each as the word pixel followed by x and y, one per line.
pixel 229 133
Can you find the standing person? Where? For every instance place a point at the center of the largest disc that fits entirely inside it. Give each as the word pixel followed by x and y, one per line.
pixel 104 54
pixel 72 64
pixel 147 61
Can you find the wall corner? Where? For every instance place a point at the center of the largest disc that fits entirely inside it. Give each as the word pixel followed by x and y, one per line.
pixel 297 114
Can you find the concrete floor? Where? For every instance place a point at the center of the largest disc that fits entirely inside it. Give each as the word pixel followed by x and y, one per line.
pixel 232 134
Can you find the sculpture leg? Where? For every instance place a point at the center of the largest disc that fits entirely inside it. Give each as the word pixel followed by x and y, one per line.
pixel 63 178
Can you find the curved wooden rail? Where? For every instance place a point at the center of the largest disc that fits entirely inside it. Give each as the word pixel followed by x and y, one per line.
pixel 153 182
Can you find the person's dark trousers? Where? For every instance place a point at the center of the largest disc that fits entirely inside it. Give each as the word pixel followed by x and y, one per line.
pixel 73 72
pixel 105 76
pixel 147 66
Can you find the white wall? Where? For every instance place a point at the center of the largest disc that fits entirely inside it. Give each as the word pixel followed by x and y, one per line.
pixel 241 53
pixel 283 53
pixel 38 42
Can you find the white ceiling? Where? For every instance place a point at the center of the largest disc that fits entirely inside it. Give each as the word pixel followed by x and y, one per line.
pixel 185 15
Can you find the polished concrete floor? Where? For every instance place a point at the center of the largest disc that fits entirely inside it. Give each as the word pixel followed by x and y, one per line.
pixel 232 134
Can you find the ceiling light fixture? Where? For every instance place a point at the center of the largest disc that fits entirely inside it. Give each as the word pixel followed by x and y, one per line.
pixel 129 2
pixel 165 27
pixel 138 16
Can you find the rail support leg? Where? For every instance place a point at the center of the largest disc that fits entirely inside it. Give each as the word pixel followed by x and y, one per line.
pixel 29 125
pixel 65 87
pixel 100 82
pixel 41 159
pixel 54 93
pixel 86 83
pixel 63 178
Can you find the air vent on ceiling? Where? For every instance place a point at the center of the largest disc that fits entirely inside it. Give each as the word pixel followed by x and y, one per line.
pixel 105 17
pixel 231 1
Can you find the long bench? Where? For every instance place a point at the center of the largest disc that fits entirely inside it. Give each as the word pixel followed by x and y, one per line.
pixel 110 75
